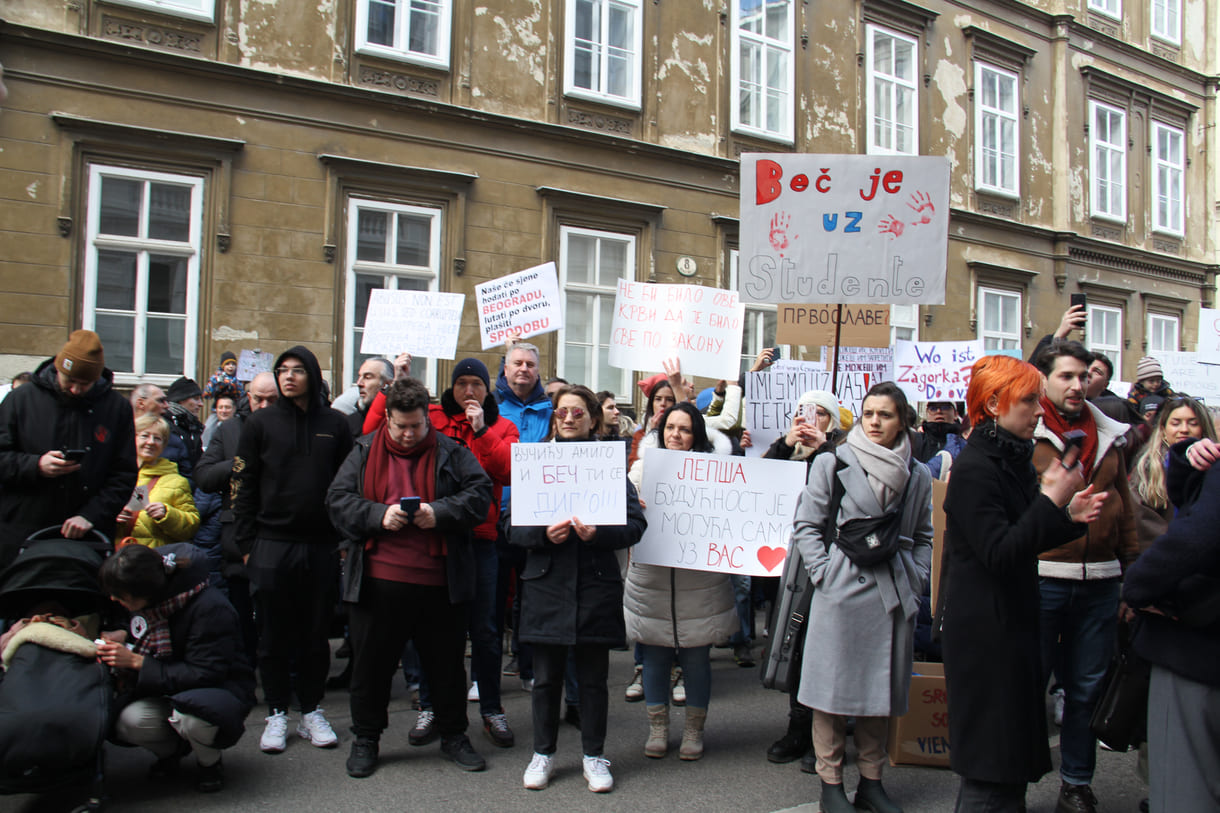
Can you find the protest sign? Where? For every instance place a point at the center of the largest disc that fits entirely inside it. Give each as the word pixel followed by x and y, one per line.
pixel 771 396
pixel 527 302
pixel 719 513
pixel 552 482
pixel 935 371
pixel 422 323
pixel 851 229
pixel 876 362
pixel 700 326
pixel 1187 375
pixel 252 362
pixel 862 325
pixel 1209 336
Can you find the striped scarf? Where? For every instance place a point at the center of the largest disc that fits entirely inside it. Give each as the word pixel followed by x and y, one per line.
pixel 150 627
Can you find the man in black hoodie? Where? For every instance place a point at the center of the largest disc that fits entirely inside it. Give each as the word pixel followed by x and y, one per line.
pixel 67 448
pixel 286 458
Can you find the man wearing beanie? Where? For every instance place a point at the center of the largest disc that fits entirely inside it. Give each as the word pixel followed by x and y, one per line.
pixel 185 401
pixel 468 413
pixel 67 449
pixel 1150 389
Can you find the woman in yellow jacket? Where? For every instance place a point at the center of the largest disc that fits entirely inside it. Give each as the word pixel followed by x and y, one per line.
pixel 169 514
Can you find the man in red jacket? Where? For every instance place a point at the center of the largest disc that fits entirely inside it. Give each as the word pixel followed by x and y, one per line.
pixel 468 413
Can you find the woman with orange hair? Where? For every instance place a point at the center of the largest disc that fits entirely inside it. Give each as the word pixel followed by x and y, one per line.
pixel 1000 517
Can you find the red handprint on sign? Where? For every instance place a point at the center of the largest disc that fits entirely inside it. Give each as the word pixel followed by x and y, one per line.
pixel 892 226
pixel 921 203
pixel 779 231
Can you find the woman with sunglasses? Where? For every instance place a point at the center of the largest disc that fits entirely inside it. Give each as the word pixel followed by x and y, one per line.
pixel 572 599
pixel 675 611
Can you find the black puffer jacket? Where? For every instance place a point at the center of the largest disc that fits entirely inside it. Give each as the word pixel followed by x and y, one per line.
pixel 212 476
pixel 38 418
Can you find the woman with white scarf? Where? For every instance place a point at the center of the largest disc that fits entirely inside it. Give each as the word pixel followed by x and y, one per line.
pixel 858 646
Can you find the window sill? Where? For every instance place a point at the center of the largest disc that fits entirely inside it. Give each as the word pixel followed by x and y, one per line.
pixel 404 57
pixel 617 102
pixel 175 12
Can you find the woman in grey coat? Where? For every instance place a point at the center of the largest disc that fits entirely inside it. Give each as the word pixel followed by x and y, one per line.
pixel 858 646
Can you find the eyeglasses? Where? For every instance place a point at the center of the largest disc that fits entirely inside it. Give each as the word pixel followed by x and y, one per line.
pixel 293 372
pixel 576 412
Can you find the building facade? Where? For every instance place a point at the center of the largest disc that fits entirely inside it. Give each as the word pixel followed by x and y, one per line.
pixel 193 176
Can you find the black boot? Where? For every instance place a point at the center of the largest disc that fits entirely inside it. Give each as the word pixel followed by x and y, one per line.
pixel 363 759
pixel 794 744
pixel 871 796
pixel 834 799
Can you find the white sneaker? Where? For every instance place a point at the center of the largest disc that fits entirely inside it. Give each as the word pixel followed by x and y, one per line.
pixel 317 730
pixel 473 694
pixel 597 774
pixel 538 774
pixel 273 739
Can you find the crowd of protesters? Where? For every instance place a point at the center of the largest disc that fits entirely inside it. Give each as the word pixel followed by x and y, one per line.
pixel 1072 513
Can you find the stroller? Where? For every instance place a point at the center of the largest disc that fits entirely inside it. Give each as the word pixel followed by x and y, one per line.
pixel 55 698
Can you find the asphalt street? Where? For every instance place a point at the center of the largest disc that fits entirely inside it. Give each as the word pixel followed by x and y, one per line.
pixel 734 774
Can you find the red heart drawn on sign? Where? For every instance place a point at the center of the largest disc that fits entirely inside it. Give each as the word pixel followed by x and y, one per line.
pixel 771 558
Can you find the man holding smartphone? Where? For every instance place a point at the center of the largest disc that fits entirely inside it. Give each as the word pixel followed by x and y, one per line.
pixel 67 448
pixel 1079 582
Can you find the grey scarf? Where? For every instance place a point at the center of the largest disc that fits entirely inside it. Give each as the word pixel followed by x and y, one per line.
pixel 887 469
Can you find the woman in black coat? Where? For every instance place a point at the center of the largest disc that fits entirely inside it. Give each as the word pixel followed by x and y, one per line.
pixel 572 598
pixel 999 520
pixel 184 684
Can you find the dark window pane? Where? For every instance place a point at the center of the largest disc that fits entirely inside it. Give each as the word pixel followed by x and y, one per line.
pixel 120 207
pixel 371 235
pixel 116 280
pixel 414 240
pixel 169 212
pixel 118 336
pixel 166 284
pixel 166 346
pixel 381 23
pixel 365 285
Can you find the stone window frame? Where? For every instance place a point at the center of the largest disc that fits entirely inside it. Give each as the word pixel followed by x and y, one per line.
pixel 786 133
pixel 1159 163
pixel 908 21
pixel 439 61
pixel 600 94
pixel 1111 147
pixel 992 52
pixel 1003 280
pixel 1115 298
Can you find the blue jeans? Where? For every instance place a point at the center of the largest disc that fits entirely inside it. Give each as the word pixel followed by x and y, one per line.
pixel 1079 623
pixel 745 610
pixel 486 643
pixel 696 663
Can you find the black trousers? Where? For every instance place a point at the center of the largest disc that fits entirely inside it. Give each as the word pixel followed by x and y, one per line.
pixel 387 616
pixel 295 586
pixel 592 672
pixel 976 796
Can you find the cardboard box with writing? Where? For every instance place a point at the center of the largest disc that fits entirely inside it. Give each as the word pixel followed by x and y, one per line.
pixel 921 736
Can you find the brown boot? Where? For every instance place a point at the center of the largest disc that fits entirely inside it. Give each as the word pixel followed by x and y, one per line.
pixel 692 734
pixel 658 732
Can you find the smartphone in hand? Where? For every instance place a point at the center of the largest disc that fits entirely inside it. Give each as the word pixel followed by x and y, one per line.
pixel 409 505
pixel 1073 440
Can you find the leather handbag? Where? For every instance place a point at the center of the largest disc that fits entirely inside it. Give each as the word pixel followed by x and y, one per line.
pixel 1120 718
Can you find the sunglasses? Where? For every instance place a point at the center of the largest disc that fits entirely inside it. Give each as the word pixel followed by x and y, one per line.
pixel 576 412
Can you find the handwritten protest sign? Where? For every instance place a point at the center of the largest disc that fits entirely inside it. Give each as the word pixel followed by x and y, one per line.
pixel 712 512
pixel 877 362
pixel 552 482
pixel 771 397
pixel 252 362
pixel 935 371
pixel 1209 336
pixel 701 326
pixel 855 229
pixel 527 301
pixel 1186 374
pixel 862 325
pixel 422 323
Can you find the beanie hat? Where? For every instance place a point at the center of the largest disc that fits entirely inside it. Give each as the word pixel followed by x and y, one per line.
pixel 227 356
pixel 826 401
pixel 704 399
pixel 182 389
pixel 471 366
pixel 1148 367
pixel 647 385
pixel 846 418
pixel 82 356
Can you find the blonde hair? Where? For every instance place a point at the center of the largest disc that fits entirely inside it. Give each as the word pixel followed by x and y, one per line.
pixel 1149 470
pixel 156 423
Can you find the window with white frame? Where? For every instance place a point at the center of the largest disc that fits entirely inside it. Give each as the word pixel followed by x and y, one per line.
pixel 1168 171
pixel 1108 161
pixel 904 323
pixel 1110 8
pixel 761 322
pixel 1162 333
pixel 1104 333
pixel 412 30
pixel 997 127
pixel 389 246
pixel 590 265
pixel 999 319
pixel 203 10
pixel 603 50
pixel 761 66
pixel 141 280
pixel 893 96
pixel 1167 20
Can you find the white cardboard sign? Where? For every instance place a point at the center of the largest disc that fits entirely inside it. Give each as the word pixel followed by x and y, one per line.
pixel 700 326
pixel 552 482
pixel 422 323
pixel 771 396
pixel 850 229
pixel 252 362
pixel 1209 336
pixel 1186 374
pixel 718 513
pixel 935 371
pixel 527 301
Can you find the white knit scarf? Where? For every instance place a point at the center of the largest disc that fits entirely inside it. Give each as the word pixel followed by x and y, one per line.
pixel 887 469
